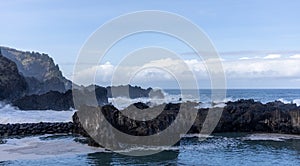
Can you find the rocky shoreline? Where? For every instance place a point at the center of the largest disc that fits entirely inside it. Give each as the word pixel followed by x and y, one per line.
pixel 238 116
pixel 29 129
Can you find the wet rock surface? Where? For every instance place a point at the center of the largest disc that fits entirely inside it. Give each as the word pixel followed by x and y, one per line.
pixel 238 116
pixel 251 116
pixel 29 129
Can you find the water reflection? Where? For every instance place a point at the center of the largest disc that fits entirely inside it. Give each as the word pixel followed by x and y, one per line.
pixel 162 158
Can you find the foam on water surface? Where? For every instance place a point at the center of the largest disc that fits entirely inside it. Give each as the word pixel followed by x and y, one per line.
pixel 9 114
pixel 36 148
pixel 270 137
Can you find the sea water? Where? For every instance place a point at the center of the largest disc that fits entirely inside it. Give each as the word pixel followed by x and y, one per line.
pixel 218 149
pixel 221 149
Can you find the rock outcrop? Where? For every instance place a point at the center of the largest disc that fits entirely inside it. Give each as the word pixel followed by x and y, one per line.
pixel 39 70
pixel 238 116
pixel 52 100
pixel 12 83
pixel 55 100
pixel 251 116
pixel 31 80
pixel 127 91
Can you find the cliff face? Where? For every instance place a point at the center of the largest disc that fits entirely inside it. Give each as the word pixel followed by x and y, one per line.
pixel 39 70
pixel 12 83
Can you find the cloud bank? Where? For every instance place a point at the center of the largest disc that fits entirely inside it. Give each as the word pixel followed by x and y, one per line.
pixel 271 67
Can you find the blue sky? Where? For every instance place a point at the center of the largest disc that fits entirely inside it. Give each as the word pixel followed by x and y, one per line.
pixel 239 29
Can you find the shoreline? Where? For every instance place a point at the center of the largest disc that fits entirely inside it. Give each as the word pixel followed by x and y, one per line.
pixel 31 129
pixel 240 116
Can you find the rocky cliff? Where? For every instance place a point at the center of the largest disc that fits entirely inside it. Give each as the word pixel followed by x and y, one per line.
pixel 39 70
pixel 12 83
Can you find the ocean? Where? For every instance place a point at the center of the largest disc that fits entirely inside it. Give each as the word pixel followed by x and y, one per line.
pixel 218 149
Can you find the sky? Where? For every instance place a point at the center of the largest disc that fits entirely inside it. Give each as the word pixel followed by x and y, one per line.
pixel 258 41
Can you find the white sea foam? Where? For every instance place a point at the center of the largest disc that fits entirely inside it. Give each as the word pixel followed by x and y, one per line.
pixel 297 102
pixel 36 148
pixel 195 136
pixel 270 137
pixel 284 101
pixel 9 114
pixel 123 102
pixel 148 148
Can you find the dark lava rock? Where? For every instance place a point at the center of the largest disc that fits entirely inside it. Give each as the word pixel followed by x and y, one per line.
pixel 238 116
pixel 250 116
pixel 127 91
pixel 2 141
pixel 141 105
pixel 12 84
pixel 93 118
pixel 54 100
pixel 28 129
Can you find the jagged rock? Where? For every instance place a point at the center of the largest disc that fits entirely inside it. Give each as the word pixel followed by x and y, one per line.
pixel 26 129
pixel 238 116
pixel 40 71
pixel 39 87
pixel 12 83
pixel 127 91
pixel 250 116
pixel 54 100
pixel 92 116
pixel 141 105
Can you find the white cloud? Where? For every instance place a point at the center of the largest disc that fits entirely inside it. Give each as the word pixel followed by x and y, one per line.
pixel 244 58
pixel 105 72
pixel 272 56
pixel 269 67
pixel 296 56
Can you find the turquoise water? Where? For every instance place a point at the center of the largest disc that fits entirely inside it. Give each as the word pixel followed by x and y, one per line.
pixel 221 149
